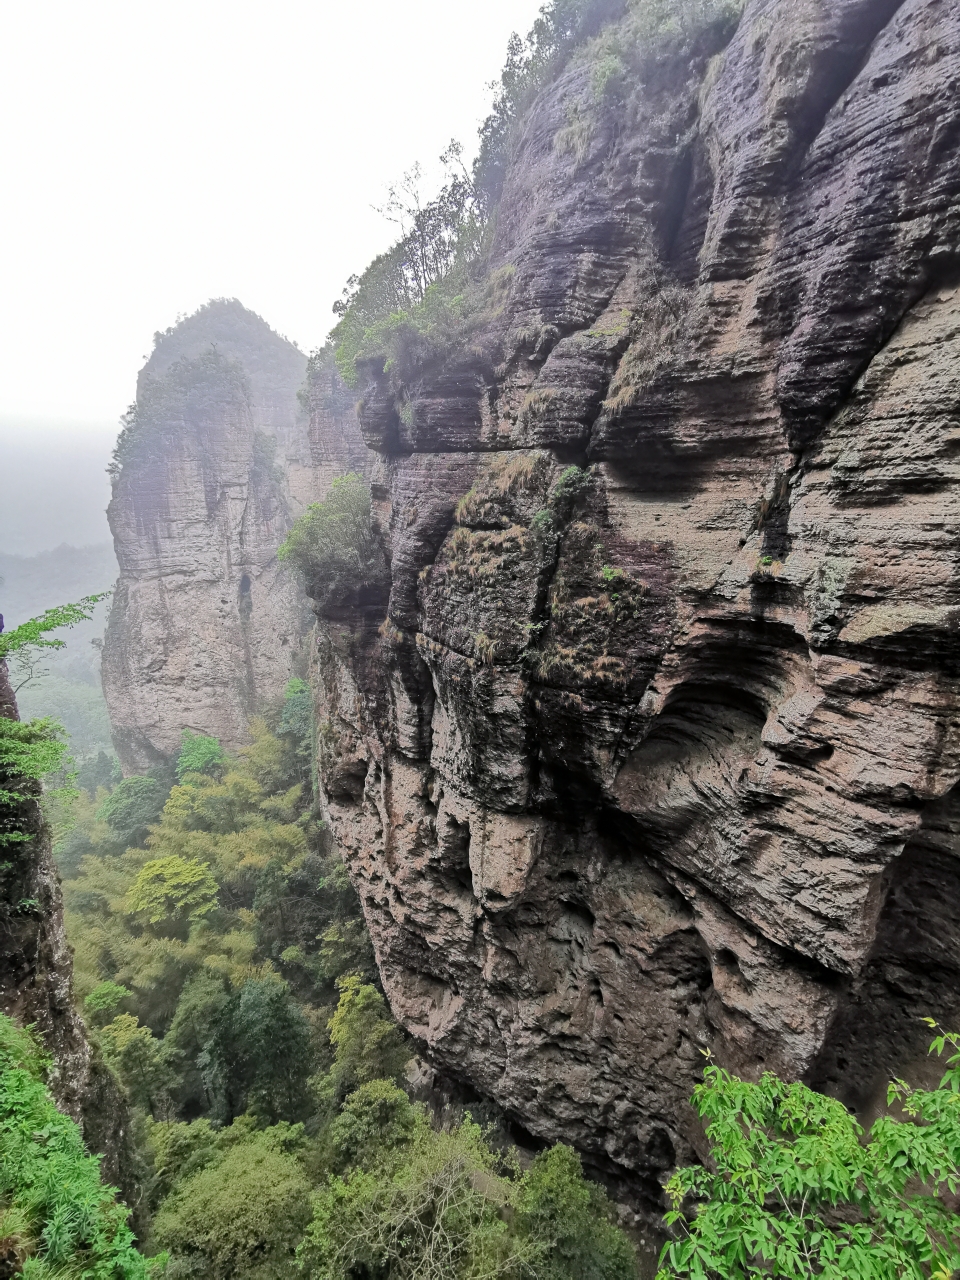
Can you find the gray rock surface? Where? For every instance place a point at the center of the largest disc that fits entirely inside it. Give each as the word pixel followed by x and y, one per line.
pixel 218 458
pixel 662 753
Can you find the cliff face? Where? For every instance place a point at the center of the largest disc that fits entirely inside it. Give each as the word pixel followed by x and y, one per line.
pixel 36 968
pixel 216 461
pixel 659 748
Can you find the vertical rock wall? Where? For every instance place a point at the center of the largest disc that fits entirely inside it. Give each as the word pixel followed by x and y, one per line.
pixel 217 459
pixel 656 745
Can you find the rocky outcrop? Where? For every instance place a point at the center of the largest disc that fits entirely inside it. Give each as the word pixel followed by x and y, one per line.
pixel 657 747
pixel 216 459
pixel 36 968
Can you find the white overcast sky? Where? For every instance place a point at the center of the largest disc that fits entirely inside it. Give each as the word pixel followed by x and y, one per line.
pixel 155 155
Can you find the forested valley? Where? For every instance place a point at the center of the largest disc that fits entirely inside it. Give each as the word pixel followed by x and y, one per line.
pixel 227 976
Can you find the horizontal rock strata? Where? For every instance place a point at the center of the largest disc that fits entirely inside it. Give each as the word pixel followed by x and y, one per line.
pixel 655 747
pixel 217 459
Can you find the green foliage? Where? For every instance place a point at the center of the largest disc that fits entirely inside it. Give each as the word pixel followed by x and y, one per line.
pixel 242 1216
pixel 33 635
pixel 530 63
pixel 57 1220
pixel 433 1214
pixel 374 1121
pixel 423 297
pixel 29 751
pixel 414 301
pixel 368 1045
pixel 132 807
pixel 102 770
pixel 195 1023
pixel 574 483
pixel 556 1205
pixel 402 340
pixel 333 544
pixel 411 292
pixel 54 681
pixel 278 892
pixel 260 1055
pixel 369 299
pixel 221 1026
pixel 173 889
pixel 183 395
pixel 177 1150
pixel 200 754
pixel 683 19
pixel 799 1191
pixel 441 1205
pixel 296 722
pixel 105 998
pixel 138 1059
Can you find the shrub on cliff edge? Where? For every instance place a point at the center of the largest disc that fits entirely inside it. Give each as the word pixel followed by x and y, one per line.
pixel 333 544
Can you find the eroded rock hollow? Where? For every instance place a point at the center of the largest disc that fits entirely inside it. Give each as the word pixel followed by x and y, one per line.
pixel 652 744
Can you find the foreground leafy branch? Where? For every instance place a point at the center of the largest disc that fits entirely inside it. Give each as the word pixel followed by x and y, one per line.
pixel 800 1191
pixel 33 634
pixel 30 751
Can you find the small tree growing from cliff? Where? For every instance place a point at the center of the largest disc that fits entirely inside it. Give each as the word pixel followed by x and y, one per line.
pixel 32 750
pixel 333 544
pixel 798 1192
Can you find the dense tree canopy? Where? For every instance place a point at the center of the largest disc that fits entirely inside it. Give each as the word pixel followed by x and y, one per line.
pixel 228 978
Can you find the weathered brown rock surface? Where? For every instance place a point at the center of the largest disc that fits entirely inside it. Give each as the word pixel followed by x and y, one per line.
pixel 218 459
pixel 661 753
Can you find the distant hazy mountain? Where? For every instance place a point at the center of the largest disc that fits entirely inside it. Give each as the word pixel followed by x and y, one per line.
pixel 30 584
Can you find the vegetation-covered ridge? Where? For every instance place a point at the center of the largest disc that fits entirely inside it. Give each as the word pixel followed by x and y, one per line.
pixel 431 292
pixel 191 386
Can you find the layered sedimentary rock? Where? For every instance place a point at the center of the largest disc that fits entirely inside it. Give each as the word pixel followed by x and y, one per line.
pixel 654 744
pixel 217 458
pixel 36 971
